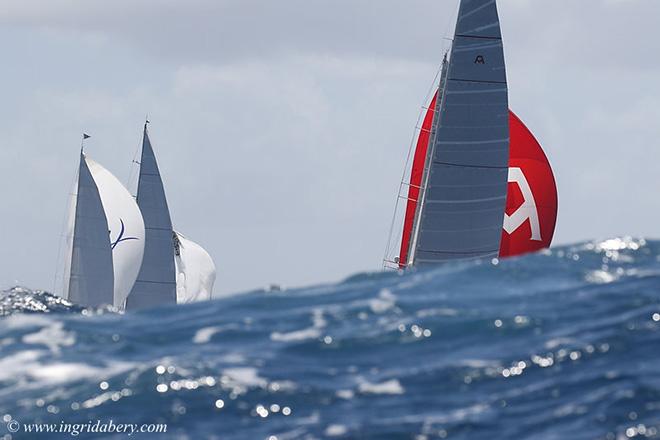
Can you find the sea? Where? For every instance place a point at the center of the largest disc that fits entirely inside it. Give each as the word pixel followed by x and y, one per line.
pixel 563 344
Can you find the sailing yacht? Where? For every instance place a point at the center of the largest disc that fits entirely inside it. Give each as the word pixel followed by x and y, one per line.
pixel 174 268
pixel 480 185
pixel 122 251
pixel 105 239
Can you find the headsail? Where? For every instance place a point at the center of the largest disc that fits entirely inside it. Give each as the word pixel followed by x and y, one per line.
pixel 195 271
pixel 531 208
pixel 156 282
pixel 90 280
pixel 465 193
pixel 415 183
pixel 126 230
pixel 419 170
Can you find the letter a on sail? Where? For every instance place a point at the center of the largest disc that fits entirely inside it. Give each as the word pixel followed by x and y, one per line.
pixel 526 211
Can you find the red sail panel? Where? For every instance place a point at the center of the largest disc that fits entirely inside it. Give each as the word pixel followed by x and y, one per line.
pixel 416 176
pixel 531 207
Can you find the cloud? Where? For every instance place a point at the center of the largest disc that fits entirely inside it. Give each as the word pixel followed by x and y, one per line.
pixel 282 128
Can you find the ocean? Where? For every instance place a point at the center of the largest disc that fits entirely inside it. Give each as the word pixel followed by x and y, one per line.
pixel 563 344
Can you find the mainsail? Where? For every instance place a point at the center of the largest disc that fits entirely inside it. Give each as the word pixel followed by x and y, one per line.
pixel 156 281
pixel 90 280
pixel 464 195
pixel 195 271
pixel 106 239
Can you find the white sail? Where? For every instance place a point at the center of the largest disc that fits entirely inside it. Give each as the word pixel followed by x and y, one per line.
pixel 89 271
pixel 126 228
pixel 156 281
pixel 195 271
pixel 68 241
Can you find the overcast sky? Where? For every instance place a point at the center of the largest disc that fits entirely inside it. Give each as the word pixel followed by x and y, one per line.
pixel 281 127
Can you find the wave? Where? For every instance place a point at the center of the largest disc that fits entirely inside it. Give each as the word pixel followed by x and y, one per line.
pixel 560 344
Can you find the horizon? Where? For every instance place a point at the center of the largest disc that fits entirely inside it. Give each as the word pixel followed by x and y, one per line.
pixel 282 156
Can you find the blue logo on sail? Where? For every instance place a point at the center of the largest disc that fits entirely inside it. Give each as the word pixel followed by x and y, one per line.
pixel 121 237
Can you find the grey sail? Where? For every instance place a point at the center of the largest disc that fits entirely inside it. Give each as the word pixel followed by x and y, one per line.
pixel 91 281
pixel 156 282
pixel 466 186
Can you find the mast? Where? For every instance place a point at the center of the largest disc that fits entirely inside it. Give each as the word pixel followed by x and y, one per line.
pixel 466 184
pixel 156 282
pixel 427 161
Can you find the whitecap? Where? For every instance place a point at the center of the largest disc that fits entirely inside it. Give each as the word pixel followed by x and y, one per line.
pixel 385 301
pixel 53 336
pixel 392 386
pixel 335 430
pixel 299 335
pixel 245 376
pixel 345 394
pixel 204 335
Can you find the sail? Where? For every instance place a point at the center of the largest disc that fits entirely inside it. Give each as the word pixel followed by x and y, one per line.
pixel 464 197
pixel 531 207
pixel 90 270
pixel 415 183
pixel 195 271
pixel 156 281
pixel 68 237
pixel 126 230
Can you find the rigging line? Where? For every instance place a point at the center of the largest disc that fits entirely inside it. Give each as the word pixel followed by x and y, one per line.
pixel 132 172
pixel 450 27
pixel 418 129
pixel 410 185
pixel 432 90
pixel 64 233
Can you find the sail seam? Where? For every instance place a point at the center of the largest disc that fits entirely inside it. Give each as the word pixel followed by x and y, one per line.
pixel 155 282
pixel 477 81
pixel 479 37
pixel 435 162
pixel 489 199
pixel 459 253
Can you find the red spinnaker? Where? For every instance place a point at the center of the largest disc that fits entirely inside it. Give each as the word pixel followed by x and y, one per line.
pixel 531 206
pixel 416 175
